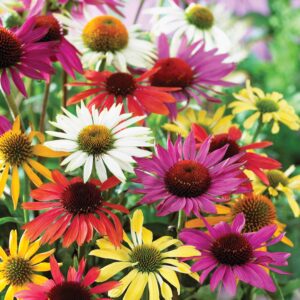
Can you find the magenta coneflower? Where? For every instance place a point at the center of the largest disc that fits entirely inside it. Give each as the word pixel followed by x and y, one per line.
pixel 192 69
pixel 5 125
pixel 22 55
pixel 75 286
pixel 64 52
pixel 233 255
pixel 74 210
pixel 184 178
pixel 108 88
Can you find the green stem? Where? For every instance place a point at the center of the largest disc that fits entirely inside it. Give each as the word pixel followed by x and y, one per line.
pixel 248 293
pixel 25 199
pixel 81 252
pixel 102 65
pixel 64 88
pixel 11 103
pixel 258 129
pixel 181 220
pixel 44 107
pixel 139 11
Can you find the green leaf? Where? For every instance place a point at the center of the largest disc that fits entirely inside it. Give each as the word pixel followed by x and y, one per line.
pixel 8 220
pixel 291 286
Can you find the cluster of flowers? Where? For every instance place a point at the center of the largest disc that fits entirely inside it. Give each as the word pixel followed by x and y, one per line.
pixel 208 174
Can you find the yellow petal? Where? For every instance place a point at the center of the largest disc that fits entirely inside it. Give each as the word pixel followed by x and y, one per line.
pixel 183 251
pixel 112 269
pixel 251 120
pixel 41 150
pixel 15 186
pixel 41 257
pixel 211 220
pixel 17 124
pixel 42 267
pixel 10 293
pixel 13 242
pixel 165 242
pixel 37 134
pixel 147 236
pixel 166 291
pixel 117 254
pixel 137 287
pixel 171 277
pixel 38 279
pixel 23 245
pixel 41 169
pixel 153 287
pixel 124 282
pixel 3 179
pixel 3 255
pixel 292 202
pixel 176 129
pixel 137 221
pixel 32 176
pixel 3 284
pixel 33 248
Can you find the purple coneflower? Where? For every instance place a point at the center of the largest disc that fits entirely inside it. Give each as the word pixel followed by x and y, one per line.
pixel 232 255
pixel 191 68
pixel 184 178
pixel 21 55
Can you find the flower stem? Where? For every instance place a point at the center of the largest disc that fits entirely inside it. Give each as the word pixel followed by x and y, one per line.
pixel 102 65
pixel 44 107
pixel 181 220
pixel 258 129
pixel 139 11
pixel 64 88
pixel 11 103
pixel 248 293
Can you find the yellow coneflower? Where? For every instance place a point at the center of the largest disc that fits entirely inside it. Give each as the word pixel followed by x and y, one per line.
pixel 19 266
pixel 266 107
pixel 216 124
pixel 259 211
pixel 17 151
pixel 150 262
pixel 281 183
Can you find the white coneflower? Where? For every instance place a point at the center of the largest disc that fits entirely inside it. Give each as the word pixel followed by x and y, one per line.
pixel 105 37
pixel 100 139
pixel 210 23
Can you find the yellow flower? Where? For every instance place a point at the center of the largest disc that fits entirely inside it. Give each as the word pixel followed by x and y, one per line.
pixel 266 107
pixel 259 211
pixel 19 267
pixel 17 150
pixel 280 183
pixel 150 262
pixel 216 124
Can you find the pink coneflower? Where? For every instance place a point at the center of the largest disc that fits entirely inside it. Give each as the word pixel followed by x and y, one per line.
pixel 232 255
pixel 108 88
pixel 64 52
pixel 78 208
pixel 21 55
pixel 75 286
pixel 101 5
pixel 192 69
pixel 183 178
pixel 5 125
pixel 252 161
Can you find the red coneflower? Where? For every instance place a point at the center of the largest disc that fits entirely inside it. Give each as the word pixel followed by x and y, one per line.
pixel 252 161
pixel 78 208
pixel 140 96
pixel 75 286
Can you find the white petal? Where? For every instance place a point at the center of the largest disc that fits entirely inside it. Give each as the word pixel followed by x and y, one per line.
pixel 88 167
pixel 62 145
pixel 100 169
pixel 113 167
